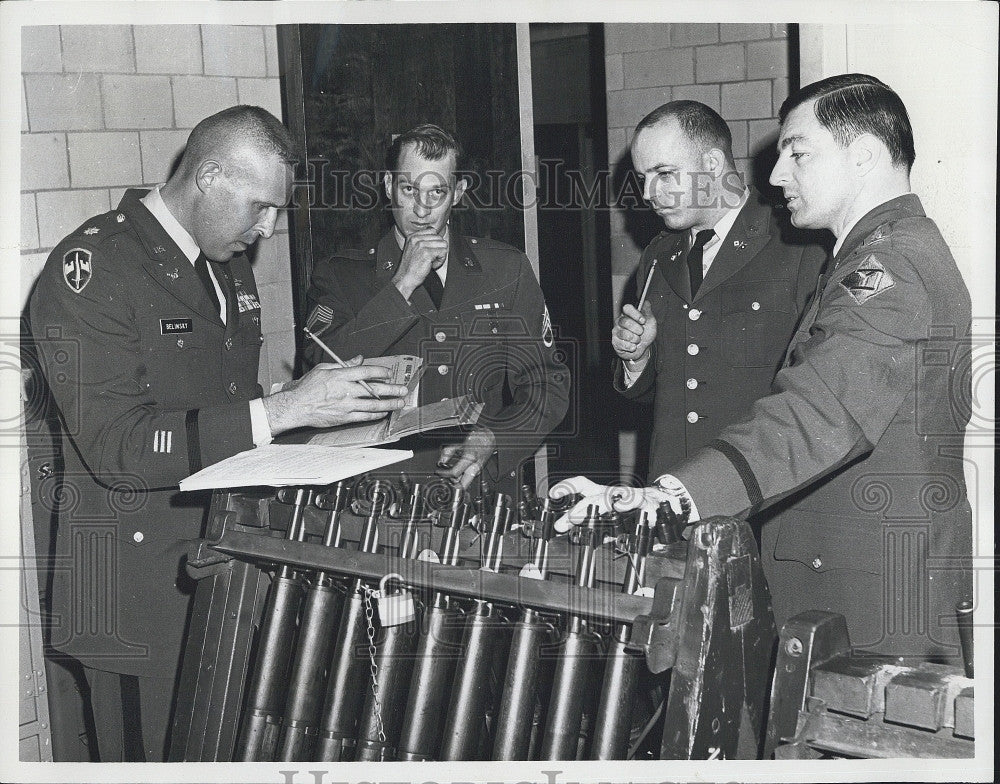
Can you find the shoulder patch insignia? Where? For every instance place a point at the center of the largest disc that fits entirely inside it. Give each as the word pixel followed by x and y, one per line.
pixel 547 337
pixel 77 268
pixel 867 281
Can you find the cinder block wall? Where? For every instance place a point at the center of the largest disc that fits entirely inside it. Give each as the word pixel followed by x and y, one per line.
pixel 740 70
pixel 109 107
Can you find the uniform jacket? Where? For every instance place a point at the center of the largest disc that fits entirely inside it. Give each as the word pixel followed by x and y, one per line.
pixel 492 329
pixel 151 386
pixel 865 430
pixel 716 353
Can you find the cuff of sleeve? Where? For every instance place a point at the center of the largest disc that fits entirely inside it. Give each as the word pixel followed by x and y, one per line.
pixel 260 430
pixel 216 433
pixel 630 376
pixel 710 476
pixel 638 382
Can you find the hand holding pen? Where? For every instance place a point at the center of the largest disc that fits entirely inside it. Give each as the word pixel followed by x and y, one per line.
pixel 635 327
pixel 337 360
pixel 331 396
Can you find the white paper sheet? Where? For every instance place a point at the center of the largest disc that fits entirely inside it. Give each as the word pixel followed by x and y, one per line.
pixel 278 465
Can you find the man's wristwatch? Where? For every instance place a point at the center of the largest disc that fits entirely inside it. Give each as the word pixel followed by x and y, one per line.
pixel 672 486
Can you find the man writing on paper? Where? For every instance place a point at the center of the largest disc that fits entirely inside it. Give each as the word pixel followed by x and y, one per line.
pixel 724 285
pixel 471 308
pixel 862 434
pixel 149 329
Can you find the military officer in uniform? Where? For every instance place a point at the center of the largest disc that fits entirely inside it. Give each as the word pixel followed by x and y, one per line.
pixel 149 327
pixel 862 435
pixel 471 308
pixel 727 283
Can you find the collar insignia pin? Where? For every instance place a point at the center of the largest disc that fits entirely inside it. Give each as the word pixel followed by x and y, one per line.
pixel 173 274
pixel 91 230
pixel 739 244
pixel 120 218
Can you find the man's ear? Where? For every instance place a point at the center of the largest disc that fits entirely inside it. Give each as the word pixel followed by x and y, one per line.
pixel 866 152
pixel 714 161
pixel 461 184
pixel 209 172
pixel 387 184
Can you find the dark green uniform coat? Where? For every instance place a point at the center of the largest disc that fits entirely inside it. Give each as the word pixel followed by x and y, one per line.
pixel 716 353
pixel 864 429
pixel 151 386
pixel 492 329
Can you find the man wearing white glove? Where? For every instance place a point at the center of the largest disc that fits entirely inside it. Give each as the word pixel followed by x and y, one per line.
pixel 859 435
pixel 620 498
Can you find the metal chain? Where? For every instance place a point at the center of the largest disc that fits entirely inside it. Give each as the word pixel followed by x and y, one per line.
pixel 369 620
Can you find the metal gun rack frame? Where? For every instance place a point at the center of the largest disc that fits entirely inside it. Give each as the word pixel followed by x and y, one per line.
pixel 709 621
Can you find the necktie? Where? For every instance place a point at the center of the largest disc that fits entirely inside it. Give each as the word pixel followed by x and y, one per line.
pixel 695 258
pixel 201 267
pixel 435 288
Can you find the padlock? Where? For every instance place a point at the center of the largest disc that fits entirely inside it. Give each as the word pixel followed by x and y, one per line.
pixel 393 609
pixel 531 571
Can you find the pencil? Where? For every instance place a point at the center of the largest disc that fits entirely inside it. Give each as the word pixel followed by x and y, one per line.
pixel 338 360
pixel 645 289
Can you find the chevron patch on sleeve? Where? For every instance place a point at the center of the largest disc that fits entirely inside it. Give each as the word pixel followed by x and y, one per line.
pixel 867 281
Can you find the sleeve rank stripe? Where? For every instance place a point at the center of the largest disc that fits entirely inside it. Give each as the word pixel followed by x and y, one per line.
pixel 163 441
pixel 742 468
pixel 194 441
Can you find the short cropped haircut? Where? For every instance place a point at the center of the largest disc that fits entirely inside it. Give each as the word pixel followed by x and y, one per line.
pixel 247 125
pixel 700 123
pixel 431 142
pixel 850 105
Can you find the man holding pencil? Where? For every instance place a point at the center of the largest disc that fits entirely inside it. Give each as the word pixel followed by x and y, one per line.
pixel 470 308
pixel 718 293
pixel 148 328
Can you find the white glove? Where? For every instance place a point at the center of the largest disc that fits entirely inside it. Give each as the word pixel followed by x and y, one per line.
pixel 621 498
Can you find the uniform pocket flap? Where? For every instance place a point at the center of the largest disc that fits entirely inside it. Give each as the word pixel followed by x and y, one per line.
pixel 830 540
pixel 770 296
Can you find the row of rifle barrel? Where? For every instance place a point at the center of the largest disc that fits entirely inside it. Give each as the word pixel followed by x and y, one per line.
pixel 469 679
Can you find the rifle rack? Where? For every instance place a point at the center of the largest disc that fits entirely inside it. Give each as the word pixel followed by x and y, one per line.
pixel 704 637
